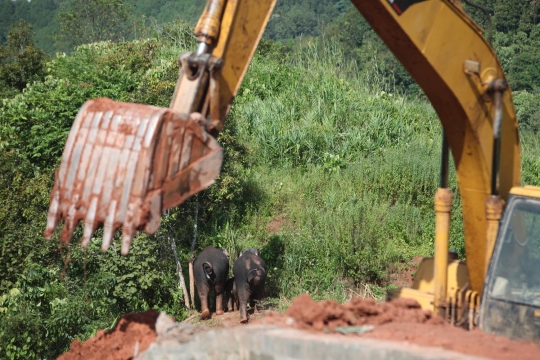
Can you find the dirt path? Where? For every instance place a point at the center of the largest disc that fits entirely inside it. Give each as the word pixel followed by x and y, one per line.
pixel 229 319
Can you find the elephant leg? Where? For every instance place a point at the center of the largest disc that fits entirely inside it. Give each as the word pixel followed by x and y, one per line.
pixel 257 296
pixel 203 291
pixel 236 305
pixel 243 312
pixel 243 296
pixel 219 303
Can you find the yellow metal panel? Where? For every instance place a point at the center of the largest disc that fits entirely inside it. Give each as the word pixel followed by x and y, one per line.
pixel 443 208
pixel 424 279
pixel 242 26
pixel 530 191
pixel 423 288
pixel 433 40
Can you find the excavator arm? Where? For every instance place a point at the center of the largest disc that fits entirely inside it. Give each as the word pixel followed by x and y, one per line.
pixel 445 52
pixel 124 164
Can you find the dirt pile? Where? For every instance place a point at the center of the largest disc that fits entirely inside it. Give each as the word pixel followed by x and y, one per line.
pixel 310 315
pixel 400 320
pixel 132 334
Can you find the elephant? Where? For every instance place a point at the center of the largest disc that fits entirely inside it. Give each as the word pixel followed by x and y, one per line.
pixel 249 272
pixel 210 270
pixel 231 297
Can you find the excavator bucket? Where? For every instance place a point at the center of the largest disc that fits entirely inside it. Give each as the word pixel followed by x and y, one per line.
pixel 124 164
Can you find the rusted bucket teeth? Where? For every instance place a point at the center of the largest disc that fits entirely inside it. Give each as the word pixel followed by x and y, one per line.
pixel 124 164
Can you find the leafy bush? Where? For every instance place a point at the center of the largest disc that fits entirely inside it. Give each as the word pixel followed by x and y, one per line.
pixel 527 110
pixel 21 62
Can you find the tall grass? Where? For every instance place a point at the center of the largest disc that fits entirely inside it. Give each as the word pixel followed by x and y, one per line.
pixel 349 172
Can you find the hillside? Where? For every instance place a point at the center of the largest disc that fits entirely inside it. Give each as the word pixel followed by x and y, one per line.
pixel 43 16
pixel 331 163
pixel 291 19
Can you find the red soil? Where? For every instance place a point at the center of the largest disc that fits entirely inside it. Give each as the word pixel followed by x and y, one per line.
pixel 327 315
pixel 399 320
pixel 119 343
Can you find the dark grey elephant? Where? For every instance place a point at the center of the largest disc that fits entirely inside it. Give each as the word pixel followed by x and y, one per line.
pixel 249 276
pixel 210 270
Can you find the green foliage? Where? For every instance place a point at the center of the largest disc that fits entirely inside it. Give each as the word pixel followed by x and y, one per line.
pixel 166 11
pixel 327 152
pixel 38 13
pixel 525 70
pixel 528 110
pixel 61 24
pixel 20 225
pixel 295 18
pixel 360 43
pixel 88 21
pixel 21 62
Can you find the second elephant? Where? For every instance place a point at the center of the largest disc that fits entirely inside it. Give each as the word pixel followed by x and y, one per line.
pixel 249 277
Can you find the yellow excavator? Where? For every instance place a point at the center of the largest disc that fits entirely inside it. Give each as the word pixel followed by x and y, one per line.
pixel 125 164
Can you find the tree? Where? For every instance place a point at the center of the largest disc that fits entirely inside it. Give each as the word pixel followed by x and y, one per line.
pixel 20 61
pixel 87 21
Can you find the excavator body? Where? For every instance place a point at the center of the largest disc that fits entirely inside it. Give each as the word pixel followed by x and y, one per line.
pixel 511 297
pixel 124 164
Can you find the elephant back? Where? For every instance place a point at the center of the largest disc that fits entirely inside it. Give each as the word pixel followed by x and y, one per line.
pixel 212 260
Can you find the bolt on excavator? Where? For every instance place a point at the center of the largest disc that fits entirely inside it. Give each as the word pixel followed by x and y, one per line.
pixel 125 164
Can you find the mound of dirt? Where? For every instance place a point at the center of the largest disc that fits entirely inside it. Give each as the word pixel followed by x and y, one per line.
pixel 399 320
pixel 132 334
pixel 310 315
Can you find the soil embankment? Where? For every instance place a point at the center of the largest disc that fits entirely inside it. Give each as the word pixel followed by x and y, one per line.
pixel 132 334
pixel 400 320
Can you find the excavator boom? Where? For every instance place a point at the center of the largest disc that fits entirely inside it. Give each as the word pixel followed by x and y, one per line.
pixel 446 53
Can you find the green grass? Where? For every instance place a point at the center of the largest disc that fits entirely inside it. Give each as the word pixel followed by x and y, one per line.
pixel 347 171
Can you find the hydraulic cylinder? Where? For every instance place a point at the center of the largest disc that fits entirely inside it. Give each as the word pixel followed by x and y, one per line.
pixel 443 209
